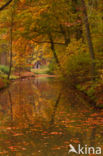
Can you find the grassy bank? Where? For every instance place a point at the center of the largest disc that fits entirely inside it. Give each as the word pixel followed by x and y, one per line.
pixel 41 70
pixel 94 90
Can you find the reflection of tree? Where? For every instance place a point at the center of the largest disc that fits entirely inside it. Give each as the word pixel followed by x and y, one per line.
pixel 93 133
pixel 34 111
pixel 37 82
pixel 55 108
pixel 11 104
pixel 93 137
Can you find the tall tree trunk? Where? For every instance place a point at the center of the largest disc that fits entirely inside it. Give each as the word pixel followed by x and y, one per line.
pixel 53 50
pixel 55 55
pixel 65 34
pixel 11 40
pixel 89 40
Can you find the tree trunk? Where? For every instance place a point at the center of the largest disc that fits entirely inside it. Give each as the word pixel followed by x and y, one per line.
pixel 66 35
pixel 53 50
pixel 55 55
pixel 11 39
pixel 89 40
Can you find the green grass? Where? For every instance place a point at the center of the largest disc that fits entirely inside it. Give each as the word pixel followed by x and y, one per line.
pixel 5 76
pixel 13 77
pixel 4 69
pixel 42 70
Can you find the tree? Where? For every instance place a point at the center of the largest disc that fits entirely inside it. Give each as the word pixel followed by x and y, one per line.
pixel 48 24
pixel 11 41
pixel 89 39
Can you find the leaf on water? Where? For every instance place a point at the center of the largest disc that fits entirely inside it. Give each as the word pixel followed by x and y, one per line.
pixel 56 148
pixel 56 133
pixel 8 128
pixel 45 132
pixel 12 148
pixel 95 114
pixel 75 141
pixel 4 152
pixel 17 134
pixel 23 149
pixel 67 142
pixel 45 143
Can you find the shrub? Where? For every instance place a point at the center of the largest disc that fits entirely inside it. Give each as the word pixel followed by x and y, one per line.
pixel 51 67
pixel 79 67
pixel 4 69
pixel 77 63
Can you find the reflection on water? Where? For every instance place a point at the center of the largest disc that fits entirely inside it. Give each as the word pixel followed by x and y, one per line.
pixel 41 118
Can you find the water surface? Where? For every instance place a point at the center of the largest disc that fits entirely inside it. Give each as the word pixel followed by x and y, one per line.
pixel 40 117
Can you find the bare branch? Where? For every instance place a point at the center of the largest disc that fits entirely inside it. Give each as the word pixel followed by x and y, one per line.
pixel 5 5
